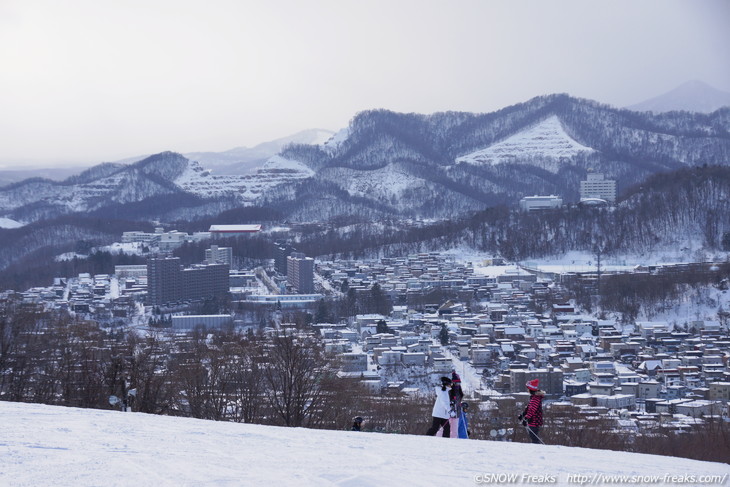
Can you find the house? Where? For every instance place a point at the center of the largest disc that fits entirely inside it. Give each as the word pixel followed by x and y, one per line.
pixel 650 367
pixel 616 401
pixel 699 408
pixel 572 388
pixel 669 406
pixel 354 362
pixel 599 389
pixel 675 392
pixel 415 358
pixel 719 391
pixel 559 309
pixel 649 389
pixel 602 367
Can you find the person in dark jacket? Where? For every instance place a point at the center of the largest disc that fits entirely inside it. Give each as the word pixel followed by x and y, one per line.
pixel 456 395
pixel 532 416
pixel 357 423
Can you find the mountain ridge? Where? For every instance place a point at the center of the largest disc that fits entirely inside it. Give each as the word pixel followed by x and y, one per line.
pixel 413 165
pixel 692 96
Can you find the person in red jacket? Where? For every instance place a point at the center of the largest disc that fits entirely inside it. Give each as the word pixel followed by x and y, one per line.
pixel 532 416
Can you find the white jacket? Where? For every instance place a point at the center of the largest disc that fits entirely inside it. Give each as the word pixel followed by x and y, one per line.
pixel 442 406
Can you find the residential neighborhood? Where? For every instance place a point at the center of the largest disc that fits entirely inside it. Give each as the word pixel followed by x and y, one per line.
pixel 427 315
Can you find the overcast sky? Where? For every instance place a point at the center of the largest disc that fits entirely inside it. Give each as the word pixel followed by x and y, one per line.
pixel 86 81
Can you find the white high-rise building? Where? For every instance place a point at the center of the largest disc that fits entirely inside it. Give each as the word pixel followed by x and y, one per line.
pixel 598 187
pixel 221 255
pixel 300 272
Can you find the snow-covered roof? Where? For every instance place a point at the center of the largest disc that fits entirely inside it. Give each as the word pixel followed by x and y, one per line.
pixel 234 228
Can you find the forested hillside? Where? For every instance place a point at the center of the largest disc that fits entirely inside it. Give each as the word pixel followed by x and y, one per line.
pixel 685 209
pixel 396 165
pixel 414 165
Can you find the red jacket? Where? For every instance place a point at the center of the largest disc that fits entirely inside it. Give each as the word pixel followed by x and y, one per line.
pixel 533 412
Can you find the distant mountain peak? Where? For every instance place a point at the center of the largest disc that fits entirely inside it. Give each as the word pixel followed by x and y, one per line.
pixel 692 96
pixel 169 165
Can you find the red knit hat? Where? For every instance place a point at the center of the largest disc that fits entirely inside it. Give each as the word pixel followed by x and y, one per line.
pixel 533 385
pixel 455 378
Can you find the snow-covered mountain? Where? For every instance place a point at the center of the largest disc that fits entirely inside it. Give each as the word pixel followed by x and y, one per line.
pixel 409 165
pixel 546 140
pixel 8 223
pixel 97 187
pixel 162 174
pixel 247 189
pixel 60 446
pixel 245 160
pixel 446 164
pixel 692 96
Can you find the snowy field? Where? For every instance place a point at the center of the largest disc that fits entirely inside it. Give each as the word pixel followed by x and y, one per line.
pixel 56 446
pixel 575 261
pixel 8 223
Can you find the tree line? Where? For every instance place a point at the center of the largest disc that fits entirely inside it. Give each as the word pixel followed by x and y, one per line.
pixel 284 378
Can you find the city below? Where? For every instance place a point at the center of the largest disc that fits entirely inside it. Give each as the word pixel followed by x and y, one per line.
pixel 409 320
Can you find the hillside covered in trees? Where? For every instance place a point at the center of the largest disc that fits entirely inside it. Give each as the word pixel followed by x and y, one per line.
pixel 688 208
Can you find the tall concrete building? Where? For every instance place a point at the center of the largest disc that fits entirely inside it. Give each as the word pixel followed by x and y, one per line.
pixel 595 186
pixel 164 282
pixel 203 281
pixel 219 255
pixel 300 273
pixel 281 252
pixel 168 282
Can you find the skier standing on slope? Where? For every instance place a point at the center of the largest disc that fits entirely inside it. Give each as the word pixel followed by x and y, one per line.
pixel 441 409
pixel 456 394
pixel 356 423
pixel 532 416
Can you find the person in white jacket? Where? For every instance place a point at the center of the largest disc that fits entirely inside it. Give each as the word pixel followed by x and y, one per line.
pixel 441 409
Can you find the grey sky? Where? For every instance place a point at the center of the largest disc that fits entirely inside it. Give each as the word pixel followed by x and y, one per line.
pixel 86 81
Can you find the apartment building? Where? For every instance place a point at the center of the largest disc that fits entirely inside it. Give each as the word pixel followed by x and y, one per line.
pixel 300 273
pixel 596 186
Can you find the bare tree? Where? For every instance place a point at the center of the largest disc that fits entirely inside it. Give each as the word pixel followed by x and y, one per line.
pixel 148 371
pixel 294 374
pixel 246 372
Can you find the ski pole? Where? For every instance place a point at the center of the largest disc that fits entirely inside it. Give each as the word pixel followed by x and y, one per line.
pixel 531 433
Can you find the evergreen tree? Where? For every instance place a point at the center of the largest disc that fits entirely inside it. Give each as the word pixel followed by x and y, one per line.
pixel 444 335
pixel 379 301
pixel 323 314
pixel 382 327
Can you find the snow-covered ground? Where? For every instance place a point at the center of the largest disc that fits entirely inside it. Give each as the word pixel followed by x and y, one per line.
pixel 546 139
pixel 702 303
pixel 69 256
pixel 47 445
pixel 576 261
pixel 8 223
pixel 129 248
